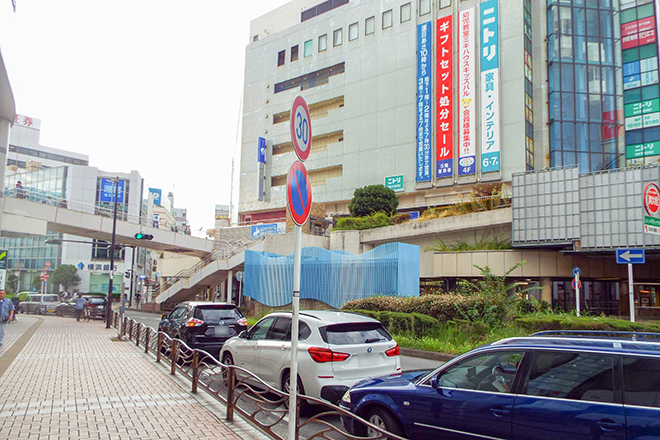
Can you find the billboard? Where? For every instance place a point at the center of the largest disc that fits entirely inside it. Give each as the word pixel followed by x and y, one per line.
pixel 466 148
pixel 107 191
pixel 157 195
pixel 444 154
pixel 490 88
pixel 424 37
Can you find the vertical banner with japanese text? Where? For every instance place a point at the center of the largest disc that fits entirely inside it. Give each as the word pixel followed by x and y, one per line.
pixel 424 102
pixel 466 147
pixel 445 103
pixel 490 88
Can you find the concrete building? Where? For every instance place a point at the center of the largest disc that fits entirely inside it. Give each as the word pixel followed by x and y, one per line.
pixel 443 100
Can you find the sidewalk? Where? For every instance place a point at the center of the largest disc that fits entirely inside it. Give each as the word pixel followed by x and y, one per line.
pixel 63 379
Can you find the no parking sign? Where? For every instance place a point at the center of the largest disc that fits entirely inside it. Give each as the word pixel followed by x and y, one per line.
pixel 299 193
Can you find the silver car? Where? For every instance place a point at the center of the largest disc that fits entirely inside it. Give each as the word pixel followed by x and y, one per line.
pixel 336 350
pixel 39 304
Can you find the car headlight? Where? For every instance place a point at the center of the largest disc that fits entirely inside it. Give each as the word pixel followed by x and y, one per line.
pixel 346 398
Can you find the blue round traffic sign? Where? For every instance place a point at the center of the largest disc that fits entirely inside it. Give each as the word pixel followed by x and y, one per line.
pixel 301 128
pixel 298 193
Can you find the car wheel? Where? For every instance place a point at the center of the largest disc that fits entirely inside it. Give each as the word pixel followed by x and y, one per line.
pixel 286 386
pixel 227 359
pixel 384 420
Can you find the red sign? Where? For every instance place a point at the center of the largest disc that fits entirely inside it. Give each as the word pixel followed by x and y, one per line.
pixel 629 29
pixel 301 128
pixel 44 277
pixel 298 193
pixel 647 37
pixel 646 24
pixel 576 283
pixel 47 263
pixel 445 104
pixel 652 199
pixel 630 41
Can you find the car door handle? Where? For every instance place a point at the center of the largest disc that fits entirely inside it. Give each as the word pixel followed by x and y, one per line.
pixel 609 425
pixel 498 411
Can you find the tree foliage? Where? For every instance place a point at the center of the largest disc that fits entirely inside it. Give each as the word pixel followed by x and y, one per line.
pixel 373 198
pixel 66 275
pixel 12 283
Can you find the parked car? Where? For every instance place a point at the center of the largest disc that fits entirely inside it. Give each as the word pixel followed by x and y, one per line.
pixel 335 350
pixel 39 303
pixel 203 325
pixel 96 307
pixel 551 385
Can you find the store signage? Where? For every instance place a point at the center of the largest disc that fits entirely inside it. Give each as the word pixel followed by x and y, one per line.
pixel 424 37
pixel 445 99
pixel 267 229
pixel 157 195
pixel 643 150
pixel 652 199
pixel 395 183
pixel 490 88
pixel 466 161
pixel 261 150
pixel 107 191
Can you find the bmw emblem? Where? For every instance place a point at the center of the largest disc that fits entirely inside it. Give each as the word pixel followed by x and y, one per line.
pixel 369 350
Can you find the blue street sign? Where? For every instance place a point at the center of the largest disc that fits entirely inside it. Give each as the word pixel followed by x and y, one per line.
pixel 576 272
pixel 630 256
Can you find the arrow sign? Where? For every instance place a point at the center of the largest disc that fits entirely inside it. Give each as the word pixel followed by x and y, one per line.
pixel 630 256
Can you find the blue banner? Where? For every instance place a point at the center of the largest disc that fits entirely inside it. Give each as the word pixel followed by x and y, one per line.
pixel 424 64
pixel 157 195
pixel 107 192
pixel 261 150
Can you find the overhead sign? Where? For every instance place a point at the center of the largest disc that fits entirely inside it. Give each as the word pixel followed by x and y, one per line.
pixel 107 191
pixel 423 87
pixel 395 183
pixel 630 256
pixel 466 147
pixel 652 199
pixel 444 150
pixel 299 193
pixel 301 128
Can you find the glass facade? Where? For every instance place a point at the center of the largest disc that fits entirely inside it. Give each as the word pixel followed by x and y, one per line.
pixel 39 184
pixel 585 98
pixel 529 107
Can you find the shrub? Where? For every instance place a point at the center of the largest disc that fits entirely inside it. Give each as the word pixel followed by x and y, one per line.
pixel 400 218
pixel 376 220
pixel 371 199
pixel 567 322
pixel 409 323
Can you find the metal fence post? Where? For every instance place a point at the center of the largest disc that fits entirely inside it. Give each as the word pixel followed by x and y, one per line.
pixel 230 393
pixel 146 340
pixel 159 346
pixel 175 349
pixel 130 330
pixel 195 370
pixel 137 335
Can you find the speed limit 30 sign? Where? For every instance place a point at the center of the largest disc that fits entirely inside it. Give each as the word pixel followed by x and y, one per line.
pixel 301 128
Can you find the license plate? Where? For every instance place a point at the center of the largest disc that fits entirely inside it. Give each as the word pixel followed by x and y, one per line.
pixel 222 331
pixel 51 310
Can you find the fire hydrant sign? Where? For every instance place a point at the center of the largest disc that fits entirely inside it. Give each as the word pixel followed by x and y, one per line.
pixel 652 207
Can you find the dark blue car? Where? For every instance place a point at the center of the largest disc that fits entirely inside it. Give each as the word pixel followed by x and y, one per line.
pixel 551 385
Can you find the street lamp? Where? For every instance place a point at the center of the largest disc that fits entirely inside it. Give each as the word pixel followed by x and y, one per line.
pixel 108 308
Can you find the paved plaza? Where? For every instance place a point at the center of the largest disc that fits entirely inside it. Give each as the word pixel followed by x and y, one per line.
pixel 63 379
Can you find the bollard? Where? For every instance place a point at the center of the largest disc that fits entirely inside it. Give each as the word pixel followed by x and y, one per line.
pixel 137 335
pixel 146 340
pixel 230 394
pixel 195 372
pixel 175 349
pixel 159 346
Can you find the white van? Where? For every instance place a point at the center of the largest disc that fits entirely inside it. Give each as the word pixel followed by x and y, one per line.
pixel 38 303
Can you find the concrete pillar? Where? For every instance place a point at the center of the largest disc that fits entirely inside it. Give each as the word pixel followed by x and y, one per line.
pixel 546 293
pixel 230 285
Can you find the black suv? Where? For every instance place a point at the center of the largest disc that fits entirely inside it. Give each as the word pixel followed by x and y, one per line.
pixel 203 325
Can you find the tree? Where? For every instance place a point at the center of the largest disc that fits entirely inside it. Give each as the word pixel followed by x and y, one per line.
pixel 36 283
pixel 66 275
pixel 12 283
pixel 373 198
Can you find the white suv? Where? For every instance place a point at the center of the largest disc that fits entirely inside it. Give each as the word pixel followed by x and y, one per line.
pixel 335 350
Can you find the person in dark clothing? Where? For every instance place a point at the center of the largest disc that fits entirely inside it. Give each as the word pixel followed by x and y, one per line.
pixel 16 301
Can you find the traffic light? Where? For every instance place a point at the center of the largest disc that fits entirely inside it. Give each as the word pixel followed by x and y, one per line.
pixel 142 236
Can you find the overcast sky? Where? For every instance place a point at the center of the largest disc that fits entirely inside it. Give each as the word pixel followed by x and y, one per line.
pixel 147 85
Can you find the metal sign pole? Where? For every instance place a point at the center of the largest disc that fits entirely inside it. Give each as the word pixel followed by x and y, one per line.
pixel 293 376
pixel 577 294
pixel 631 292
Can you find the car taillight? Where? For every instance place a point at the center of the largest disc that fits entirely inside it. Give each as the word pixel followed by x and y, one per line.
pixel 194 322
pixel 322 355
pixel 393 351
pixel 242 321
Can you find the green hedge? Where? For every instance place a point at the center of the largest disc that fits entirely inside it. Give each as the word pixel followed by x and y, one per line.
pixel 444 307
pixel 409 323
pixel 376 220
pixel 567 322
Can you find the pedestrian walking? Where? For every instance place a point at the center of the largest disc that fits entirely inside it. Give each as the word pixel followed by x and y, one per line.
pixel 80 305
pixel 20 191
pixel 15 300
pixel 6 313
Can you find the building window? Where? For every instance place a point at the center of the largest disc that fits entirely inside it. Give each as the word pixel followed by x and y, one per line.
pixel 337 37
pixel 294 53
pixel 370 25
pixel 424 7
pixel 445 4
pixel 309 48
pixel 353 32
pixel 387 19
pixel 406 12
pixel 323 42
pixel 255 38
pixel 281 56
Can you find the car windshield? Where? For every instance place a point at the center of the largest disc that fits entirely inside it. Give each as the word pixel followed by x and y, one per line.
pixel 215 314
pixel 355 333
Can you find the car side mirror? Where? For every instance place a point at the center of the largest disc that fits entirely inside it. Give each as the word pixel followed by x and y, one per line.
pixel 243 334
pixel 434 382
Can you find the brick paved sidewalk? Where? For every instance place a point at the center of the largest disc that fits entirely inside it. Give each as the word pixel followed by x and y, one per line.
pixel 70 380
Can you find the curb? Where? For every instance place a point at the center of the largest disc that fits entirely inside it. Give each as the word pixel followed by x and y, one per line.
pixel 426 354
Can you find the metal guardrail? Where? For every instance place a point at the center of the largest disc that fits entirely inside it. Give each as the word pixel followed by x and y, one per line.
pixel 245 393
